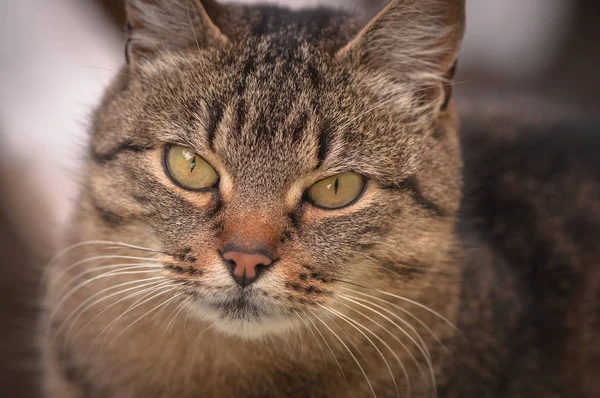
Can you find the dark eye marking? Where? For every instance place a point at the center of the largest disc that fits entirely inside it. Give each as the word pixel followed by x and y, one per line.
pixel 448 87
pixel 296 219
pixel 109 217
pixel 112 219
pixel 411 186
pixel 127 146
pixel 215 116
pixel 324 146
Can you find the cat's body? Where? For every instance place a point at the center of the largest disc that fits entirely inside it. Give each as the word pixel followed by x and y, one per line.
pixel 419 280
pixel 532 216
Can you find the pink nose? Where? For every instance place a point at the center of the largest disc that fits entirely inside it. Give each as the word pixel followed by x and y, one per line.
pixel 246 265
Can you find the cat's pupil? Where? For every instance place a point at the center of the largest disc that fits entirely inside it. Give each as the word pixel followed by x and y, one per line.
pixel 336 185
pixel 193 165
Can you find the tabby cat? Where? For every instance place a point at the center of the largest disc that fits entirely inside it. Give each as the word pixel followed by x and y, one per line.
pixel 278 203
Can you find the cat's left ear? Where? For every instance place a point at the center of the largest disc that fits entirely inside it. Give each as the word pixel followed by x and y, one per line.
pixel 411 41
pixel 158 25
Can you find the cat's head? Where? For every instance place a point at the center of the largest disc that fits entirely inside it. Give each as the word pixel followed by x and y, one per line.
pixel 276 158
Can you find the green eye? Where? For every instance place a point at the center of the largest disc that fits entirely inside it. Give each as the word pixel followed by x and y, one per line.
pixel 337 191
pixel 189 170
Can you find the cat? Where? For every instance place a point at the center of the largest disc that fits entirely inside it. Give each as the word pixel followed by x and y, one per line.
pixel 279 203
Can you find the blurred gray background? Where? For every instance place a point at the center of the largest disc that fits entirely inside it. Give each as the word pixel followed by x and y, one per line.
pixel 56 57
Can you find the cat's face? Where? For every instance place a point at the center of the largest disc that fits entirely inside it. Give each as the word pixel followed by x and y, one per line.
pixel 216 155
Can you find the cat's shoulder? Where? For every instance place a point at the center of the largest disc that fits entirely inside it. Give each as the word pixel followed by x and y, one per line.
pixel 532 194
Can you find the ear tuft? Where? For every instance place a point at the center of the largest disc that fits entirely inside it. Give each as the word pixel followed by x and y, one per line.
pixel 169 25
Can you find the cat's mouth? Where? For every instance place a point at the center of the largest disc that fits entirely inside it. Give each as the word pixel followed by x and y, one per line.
pixel 239 307
pixel 244 315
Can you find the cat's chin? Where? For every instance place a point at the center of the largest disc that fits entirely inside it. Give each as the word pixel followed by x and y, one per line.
pixel 252 330
pixel 245 322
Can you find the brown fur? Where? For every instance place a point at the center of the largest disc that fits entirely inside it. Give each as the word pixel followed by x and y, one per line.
pixel 275 101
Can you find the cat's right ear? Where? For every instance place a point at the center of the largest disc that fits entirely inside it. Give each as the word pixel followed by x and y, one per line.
pixel 169 25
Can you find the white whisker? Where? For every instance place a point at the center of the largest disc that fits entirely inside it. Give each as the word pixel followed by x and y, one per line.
pixel 174 314
pixel 301 346
pixel 362 355
pixel 352 323
pixel 127 266
pixel 185 331
pixel 423 351
pixel 156 292
pixel 140 301
pixel 65 270
pixel 294 347
pixel 99 242
pixel 330 350
pixel 79 286
pixel 308 326
pixel 351 354
pixel 138 319
pixel 443 318
pixel 148 287
pixel 410 314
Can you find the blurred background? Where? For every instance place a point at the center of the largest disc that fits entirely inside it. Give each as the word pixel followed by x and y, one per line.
pixel 57 56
